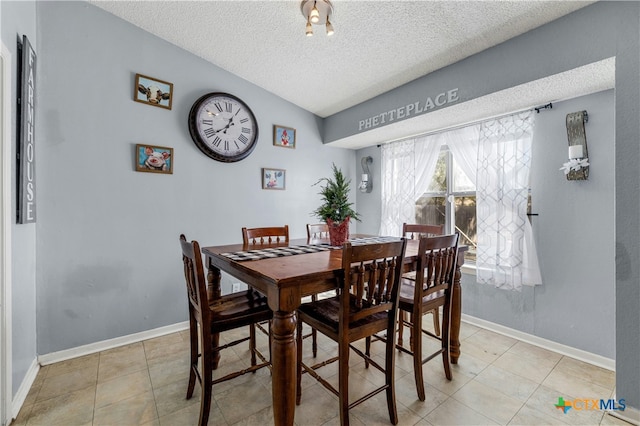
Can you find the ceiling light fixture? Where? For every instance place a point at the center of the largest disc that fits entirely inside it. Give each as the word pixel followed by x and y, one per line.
pixel 317 12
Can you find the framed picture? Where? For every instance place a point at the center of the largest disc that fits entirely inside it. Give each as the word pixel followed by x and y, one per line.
pixel 151 91
pixel 154 159
pixel 284 136
pixel 273 178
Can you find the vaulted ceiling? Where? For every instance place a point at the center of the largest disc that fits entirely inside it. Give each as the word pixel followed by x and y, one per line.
pixel 377 45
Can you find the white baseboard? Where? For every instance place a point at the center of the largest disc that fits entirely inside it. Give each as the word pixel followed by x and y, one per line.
pixel 25 386
pixel 597 360
pixel 92 348
pixel 629 415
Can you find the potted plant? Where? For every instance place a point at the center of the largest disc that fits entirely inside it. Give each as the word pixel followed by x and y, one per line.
pixel 336 209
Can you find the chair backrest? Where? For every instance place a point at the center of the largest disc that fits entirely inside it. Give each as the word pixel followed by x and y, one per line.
pixel 317 230
pixel 437 262
pixel 372 273
pixel 413 231
pixel 274 234
pixel 196 284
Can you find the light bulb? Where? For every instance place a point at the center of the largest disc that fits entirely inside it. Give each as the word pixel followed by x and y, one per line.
pixel 329 27
pixel 309 29
pixel 314 16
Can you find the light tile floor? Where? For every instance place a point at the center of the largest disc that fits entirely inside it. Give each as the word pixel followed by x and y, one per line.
pixel 498 380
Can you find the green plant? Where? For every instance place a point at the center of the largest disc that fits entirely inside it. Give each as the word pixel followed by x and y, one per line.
pixel 335 198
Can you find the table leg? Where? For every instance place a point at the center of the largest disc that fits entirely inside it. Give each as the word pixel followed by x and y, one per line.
pixel 283 378
pixel 456 311
pixel 214 292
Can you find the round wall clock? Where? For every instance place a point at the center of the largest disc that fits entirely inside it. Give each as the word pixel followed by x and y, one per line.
pixel 223 127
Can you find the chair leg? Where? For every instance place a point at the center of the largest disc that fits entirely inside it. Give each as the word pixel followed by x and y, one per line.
pixel 390 374
pixel 401 317
pixel 343 382
pixel 367 351
pixel 193 363
pixel 436 321
pixel 270 341
pixel 298 362
pixel 446 329
pixel 314 342
pixel 416 348
pixel 207 390
pixel 252 344
pixel 314 333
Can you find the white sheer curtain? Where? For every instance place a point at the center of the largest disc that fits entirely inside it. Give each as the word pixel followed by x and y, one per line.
pixel 407 167
pixel 463 144
pixel 506 255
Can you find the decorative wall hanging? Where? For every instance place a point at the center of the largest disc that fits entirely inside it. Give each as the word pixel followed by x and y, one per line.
pixel 154 159
pixel 151 91
pixel 284 136
pixel 577 168
pixel 26 212
pixel 273 178
pixel 365 184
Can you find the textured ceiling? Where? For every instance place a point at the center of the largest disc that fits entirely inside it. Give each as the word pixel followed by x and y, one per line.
pixel 377 46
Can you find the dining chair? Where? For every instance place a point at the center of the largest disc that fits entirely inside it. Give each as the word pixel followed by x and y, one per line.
pixel 366 303
pixel 224 313
pixel 317 230
pixel 414 231
pixel 431 289
pixel 259 236
pixel 267 235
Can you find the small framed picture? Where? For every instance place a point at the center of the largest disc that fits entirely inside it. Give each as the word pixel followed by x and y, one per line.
pixel 151 91
pixel 154 159
pixel 273 178
pixel 284 136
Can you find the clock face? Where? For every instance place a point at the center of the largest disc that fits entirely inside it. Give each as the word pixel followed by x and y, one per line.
pixel 223 127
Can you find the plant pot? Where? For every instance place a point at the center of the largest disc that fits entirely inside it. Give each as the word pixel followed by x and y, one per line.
pixel 338 232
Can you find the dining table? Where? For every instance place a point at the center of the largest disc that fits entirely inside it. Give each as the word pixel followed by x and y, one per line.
pixel 287 272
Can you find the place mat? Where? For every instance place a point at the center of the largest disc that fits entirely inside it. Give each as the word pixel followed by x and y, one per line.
pixel 372 240
pixel 267 253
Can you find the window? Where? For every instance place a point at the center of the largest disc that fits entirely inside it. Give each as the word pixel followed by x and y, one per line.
pixel 450 199
pixel 476 179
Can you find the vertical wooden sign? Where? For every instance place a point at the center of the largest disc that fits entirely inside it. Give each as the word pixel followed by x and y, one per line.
pixel 26 133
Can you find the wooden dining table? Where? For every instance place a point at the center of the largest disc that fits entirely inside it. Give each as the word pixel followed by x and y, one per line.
pixel 285 281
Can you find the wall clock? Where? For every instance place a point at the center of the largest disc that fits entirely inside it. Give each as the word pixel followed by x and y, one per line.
pixel 223 127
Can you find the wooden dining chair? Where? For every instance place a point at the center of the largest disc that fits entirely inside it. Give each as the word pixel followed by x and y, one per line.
pixel 317 230
pixel 259 236
pixel 414 231
pixel 225 313
pixel 366 304
pixel 431 289
pixel 268 235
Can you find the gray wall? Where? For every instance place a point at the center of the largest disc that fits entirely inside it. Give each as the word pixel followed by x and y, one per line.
pixel 18 19
pixel 108 254
pixel 567 43
pixel 574 234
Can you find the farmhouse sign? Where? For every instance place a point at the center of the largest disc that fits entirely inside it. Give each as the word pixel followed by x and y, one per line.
pixel 26 133
pixel 408 110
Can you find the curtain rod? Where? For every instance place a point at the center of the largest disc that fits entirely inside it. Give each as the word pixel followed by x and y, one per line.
pixel 468 124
